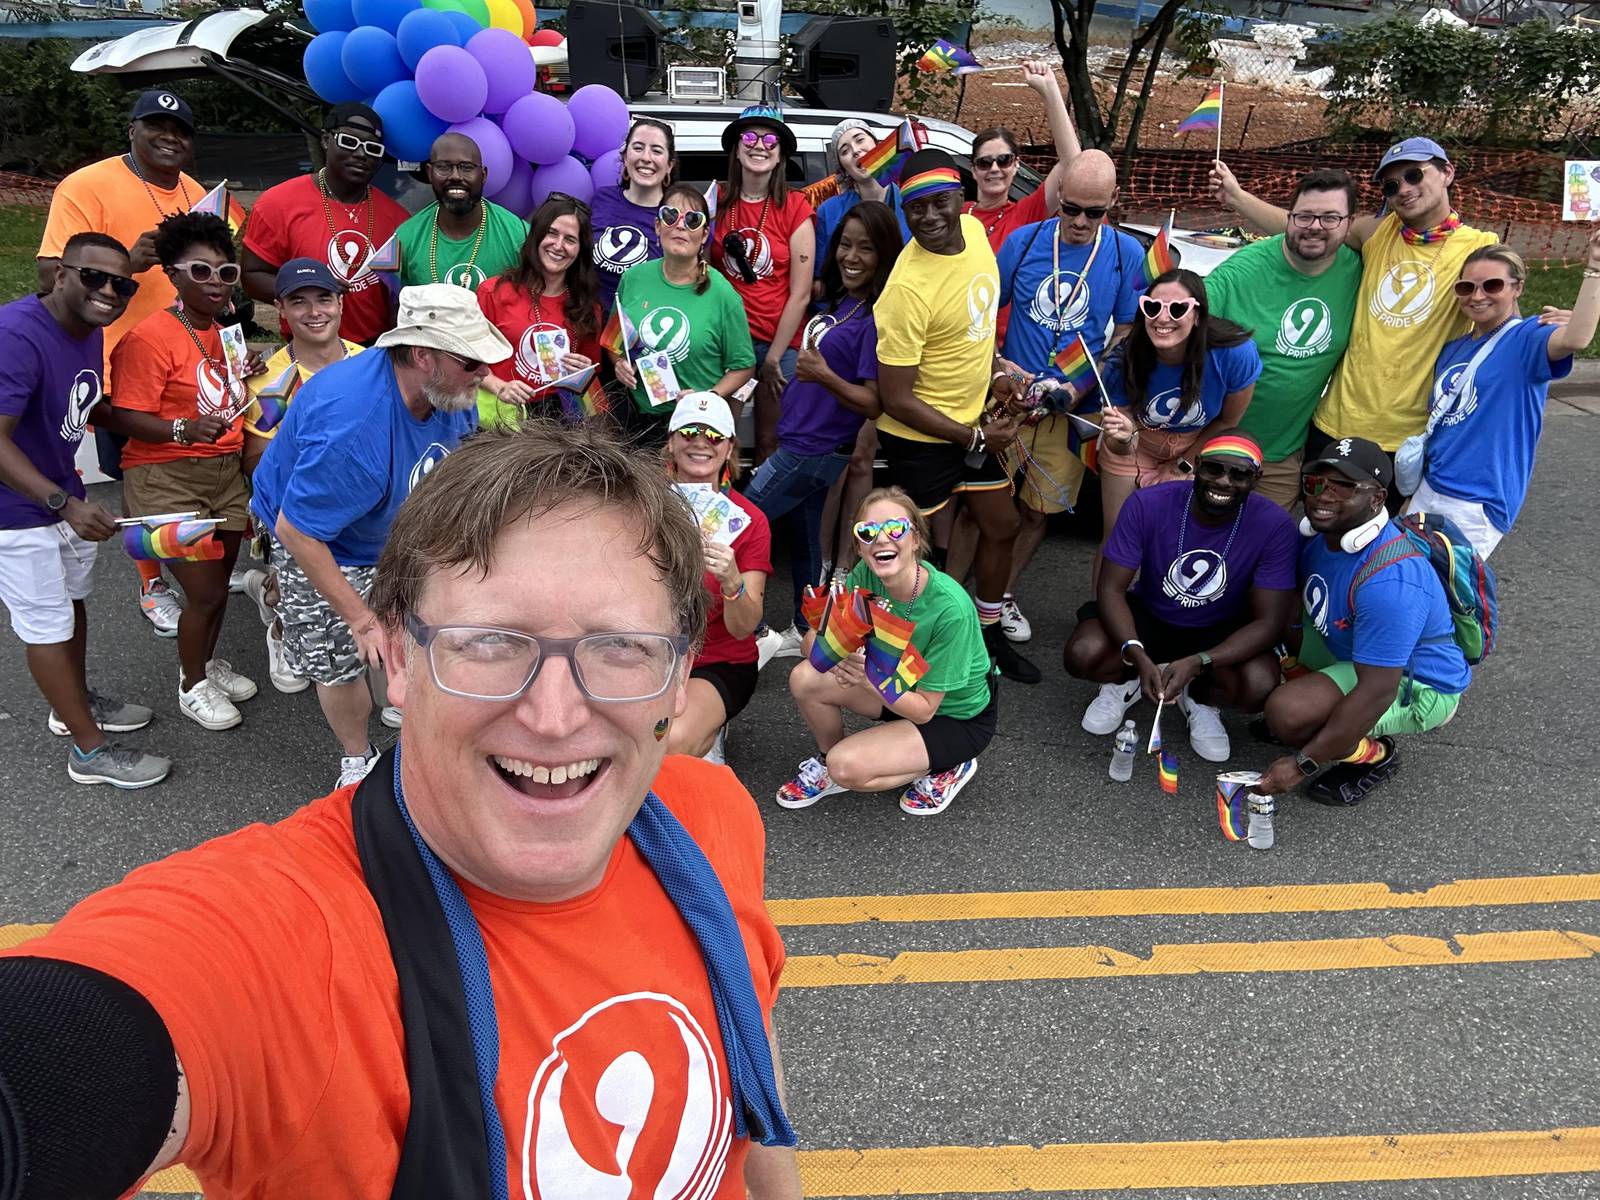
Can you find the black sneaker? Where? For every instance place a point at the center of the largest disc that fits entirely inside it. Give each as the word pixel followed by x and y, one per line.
pixel 1346 784
pixel 1012 665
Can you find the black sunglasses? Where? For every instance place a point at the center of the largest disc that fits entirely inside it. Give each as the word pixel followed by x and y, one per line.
pixel 1078 210
pixel 1413 176
pixel 994 160
pixel 581 205
pixel 95 280
pixel 1213 470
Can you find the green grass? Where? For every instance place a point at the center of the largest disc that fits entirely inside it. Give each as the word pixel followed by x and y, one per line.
pixel 20 231
pixel 1557 286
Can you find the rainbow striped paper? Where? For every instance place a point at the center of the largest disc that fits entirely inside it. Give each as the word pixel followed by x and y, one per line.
pixel 1169 772
pixel 1158 258
pixel 844 630
pixel 220 202
pixel 884 161
pixel 190 540
pixel 1206 115
pixel 947 56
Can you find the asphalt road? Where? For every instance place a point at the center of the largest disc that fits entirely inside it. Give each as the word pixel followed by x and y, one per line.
pixel 1095 1038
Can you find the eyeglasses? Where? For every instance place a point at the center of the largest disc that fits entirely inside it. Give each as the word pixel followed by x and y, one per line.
pixel 705 433
pixel 1413 176
pixel 990 161
pixel 469 365
pixel 440 167
pixel 358 145
pixel 481 662
pixel 1491 287
pixel 1176 309
pixel 204 272
pixel 753 139
pixel 692 218
pixel 1339 489
pixel 1210 468
pixel 1078 210
pixel 867 531
pixel 95 280
pixel 1305 220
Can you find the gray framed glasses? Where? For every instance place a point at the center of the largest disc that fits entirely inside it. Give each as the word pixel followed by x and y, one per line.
pixel 481 662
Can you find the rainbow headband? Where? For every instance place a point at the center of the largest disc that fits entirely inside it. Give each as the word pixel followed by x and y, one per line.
pixel 926 183
pixel 1233 445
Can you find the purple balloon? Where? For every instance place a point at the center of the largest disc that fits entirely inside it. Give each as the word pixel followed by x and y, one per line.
pixel 566 175
pixel 492 147
pixel 538 128
pixel 451 83
pixel 517 194
pixel 408 127
pixel 421 31
pixel 607 170
pixel 601 118
pixel 507 63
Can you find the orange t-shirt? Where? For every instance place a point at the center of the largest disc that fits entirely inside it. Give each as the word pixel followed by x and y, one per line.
pixel 161 371
pixel 266 957
pixel 106 197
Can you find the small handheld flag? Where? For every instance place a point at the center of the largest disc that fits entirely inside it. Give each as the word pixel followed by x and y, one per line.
pixel 1076 365
pixel 813 603
pixel 1206 115
pixel 619 336
pixel 1154 743
pixel 845 626
pixel 272 400
pixel 190 540
pixel 892 685
pixel 888 646
pixel 1169 772
pixel 947 56
pixel 883 161
pixel 385 263
pixel 220 202
pixel 1158 258
pixel 580 395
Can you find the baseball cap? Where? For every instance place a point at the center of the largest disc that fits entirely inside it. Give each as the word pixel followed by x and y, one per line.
pixel 340 115
pixel 1356 459
pixel 300 273
pixel 442 316
pixel 157 102
pixel 702 408
pixel 1417 149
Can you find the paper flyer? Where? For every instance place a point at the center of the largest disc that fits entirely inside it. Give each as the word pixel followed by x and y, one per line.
pixel 1580 190
pixel 659 379
pixel 721 519
pixel 551 347
pixel 234 349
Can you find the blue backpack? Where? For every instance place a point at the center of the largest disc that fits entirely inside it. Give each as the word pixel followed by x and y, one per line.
pixel 1469 584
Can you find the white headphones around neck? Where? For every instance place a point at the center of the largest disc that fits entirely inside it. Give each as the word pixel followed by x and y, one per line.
pixel 1353 541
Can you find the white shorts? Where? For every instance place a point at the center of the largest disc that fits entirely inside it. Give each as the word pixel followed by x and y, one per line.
pixel 42 571
pixel 1467 514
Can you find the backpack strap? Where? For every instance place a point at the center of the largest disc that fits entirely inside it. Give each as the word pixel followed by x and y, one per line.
pixel 1396 549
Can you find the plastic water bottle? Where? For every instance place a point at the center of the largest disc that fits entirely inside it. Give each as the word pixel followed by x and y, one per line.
pixel 1262 809
pixel 1122 752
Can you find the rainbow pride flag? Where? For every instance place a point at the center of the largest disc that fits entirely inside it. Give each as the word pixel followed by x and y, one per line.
pixel 947 56
pixel 813 603
pixel 1206 115
pixel 190 540
pixel 619 336
pixel 908 671
pixel 1076 365
pixel 887 646
pixel 1087 448
pixel 883 161
pixel 1232 809
pixel 1158 258
pixel 385 263
pixel 845 626
pixel 1169 772
pixel 272 400
pixel 580 395
pixel 220 202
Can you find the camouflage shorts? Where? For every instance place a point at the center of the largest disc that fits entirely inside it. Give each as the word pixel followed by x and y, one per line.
pixel 317 644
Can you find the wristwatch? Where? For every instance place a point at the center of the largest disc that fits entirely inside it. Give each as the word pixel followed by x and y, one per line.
pixel 56 501
pixel 1308 767
pixel 1205 660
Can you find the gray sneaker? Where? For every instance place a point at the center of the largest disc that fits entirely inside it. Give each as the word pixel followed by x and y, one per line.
pixel 111 715
pixel 120 766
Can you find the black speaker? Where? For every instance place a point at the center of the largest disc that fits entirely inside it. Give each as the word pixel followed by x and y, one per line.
pixel 845 62
pixel 614 43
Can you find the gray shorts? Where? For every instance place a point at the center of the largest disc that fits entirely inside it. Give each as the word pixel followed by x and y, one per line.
pixel 317 644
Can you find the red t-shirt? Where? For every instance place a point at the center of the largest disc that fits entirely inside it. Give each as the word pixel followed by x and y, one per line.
pixel 766 247
pixel 266 957
pixel 291 220
pixel 529 321
pixel 999 224
pixel 752 551
pixel 162 372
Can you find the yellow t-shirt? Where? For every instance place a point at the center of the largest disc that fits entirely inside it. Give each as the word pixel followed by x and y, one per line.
pixel 1405 314
pixel 283 389
pixel 937 313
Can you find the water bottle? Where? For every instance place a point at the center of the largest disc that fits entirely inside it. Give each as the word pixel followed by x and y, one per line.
pixel 1261 810
pixel 1122 753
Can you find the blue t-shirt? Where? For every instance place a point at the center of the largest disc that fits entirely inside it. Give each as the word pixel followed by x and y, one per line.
pixel 1194 575
pixel 832 211
pixel 624 236
pixel 49 381
pixel 813 420
pixel 1228 369
pixel 1481 448
pixel 1037 332
pixel 348 454
pixel 1401 618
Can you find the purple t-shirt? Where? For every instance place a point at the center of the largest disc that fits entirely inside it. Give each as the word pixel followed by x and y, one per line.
pixel 50 380
pixel 813 421
pixel 1208 581
pixel 624 236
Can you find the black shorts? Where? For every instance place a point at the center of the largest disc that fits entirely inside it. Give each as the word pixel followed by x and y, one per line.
pixel 735 683
pixel 949 741
pixel 932 472
pixel 1165 642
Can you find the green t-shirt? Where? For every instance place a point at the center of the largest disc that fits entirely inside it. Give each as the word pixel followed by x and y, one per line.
pixel 703 336
pixel 503 235
pixel 947 635
pixel 1302 326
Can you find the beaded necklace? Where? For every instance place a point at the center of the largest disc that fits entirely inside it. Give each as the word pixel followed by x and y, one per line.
pixel 133 165
pixel 1438 233
pixel 477 241
pixel 1183 529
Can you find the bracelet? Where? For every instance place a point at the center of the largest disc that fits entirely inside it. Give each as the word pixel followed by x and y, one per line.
pixel 1126 644
pixel 1205 660
pixel 180 430
pixel 739 591
pixel 1000 375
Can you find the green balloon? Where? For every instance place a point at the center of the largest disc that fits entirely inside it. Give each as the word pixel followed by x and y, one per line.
pixel 476 9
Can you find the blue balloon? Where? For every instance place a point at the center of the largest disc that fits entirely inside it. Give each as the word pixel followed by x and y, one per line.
pixel 384 14
pixel 421 31
pixel 409 129
pixel 371 59
pixel 324 68
pixel 466 27
pixel 328 16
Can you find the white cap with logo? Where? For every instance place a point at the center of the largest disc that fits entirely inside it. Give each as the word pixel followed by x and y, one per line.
pixel 702 408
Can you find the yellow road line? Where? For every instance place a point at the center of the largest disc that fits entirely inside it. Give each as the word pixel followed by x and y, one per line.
pixel 15 935
pixel 1182 901
pixel 1197 958
pixel 1096 1166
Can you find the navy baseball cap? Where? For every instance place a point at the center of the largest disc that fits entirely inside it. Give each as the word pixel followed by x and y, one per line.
pixel 1356 459
pixel 340 115
pixel 1417 149
pixel 300 273
pixel 161 103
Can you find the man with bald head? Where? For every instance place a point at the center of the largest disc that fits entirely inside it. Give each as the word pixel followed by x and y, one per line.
pixel 460 238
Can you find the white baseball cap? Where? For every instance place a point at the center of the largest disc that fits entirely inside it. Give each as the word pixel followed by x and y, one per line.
pixel 442 316
pixel 702 408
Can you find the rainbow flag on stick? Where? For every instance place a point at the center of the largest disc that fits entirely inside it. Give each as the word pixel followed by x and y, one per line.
pixel 1206 115
pixel 883 161
pixel 813 603
pixel 385 263
pixel 1158 258
pixel 887 644
pixel 619 336
pixel 845 626
pixel 1169 772
pixel 273 399
pixel 580 395
pixel 1076 365
pixel 190 540
pixel 220 202
pixel 908 670
pixel 947 56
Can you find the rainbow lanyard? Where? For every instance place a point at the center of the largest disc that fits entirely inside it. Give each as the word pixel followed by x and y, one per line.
pixel 1426 237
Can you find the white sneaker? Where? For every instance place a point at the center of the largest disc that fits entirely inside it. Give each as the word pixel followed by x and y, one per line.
pixel 1012 623
pixel 1206 734
pixel 236 581
pixel 159 603
pixel 718 754
pixel 353 768
pixel 391 716
pixel 255 586
pixel 228 681
pixel 285 680
pixel 775 644
pixel 1104 714
pixel 206 706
